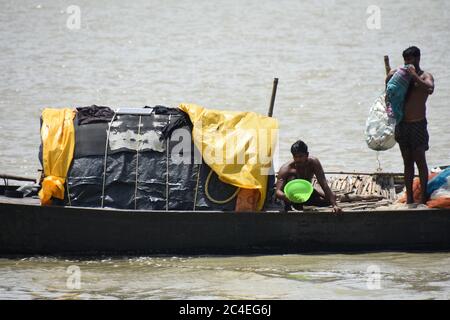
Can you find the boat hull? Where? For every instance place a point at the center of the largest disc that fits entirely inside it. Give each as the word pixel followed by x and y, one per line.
pixel 35 230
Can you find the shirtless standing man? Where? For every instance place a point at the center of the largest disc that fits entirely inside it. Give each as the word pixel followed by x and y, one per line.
pixel 411 133
pixel 305 167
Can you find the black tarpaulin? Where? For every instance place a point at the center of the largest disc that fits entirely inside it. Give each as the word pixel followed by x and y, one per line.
pixel 128 164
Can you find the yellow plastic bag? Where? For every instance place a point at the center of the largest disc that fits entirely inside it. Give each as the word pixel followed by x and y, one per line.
pixel 238 146
pixel 58 144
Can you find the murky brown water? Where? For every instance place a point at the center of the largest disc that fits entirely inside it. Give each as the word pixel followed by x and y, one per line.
pixel 224 54
pixel 221 55
pixel 398 276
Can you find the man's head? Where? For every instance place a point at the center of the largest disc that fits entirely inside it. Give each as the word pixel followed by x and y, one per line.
pixel 299 151
pixel 411 55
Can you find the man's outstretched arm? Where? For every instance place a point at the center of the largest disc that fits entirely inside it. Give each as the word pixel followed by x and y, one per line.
pixel 320 176
pixel 281 177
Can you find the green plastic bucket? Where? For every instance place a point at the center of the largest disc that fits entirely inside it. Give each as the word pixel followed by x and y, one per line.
pixel 298 190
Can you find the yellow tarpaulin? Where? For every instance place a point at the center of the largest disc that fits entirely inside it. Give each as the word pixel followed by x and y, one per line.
pixel 238 146
pixel 58 143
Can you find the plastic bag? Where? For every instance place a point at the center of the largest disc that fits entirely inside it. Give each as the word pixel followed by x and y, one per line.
pixel 380 126
pixel 396 90
pixel 443 190
pixel 440 198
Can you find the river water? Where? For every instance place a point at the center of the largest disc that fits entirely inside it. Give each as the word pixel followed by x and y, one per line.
pixel 328 55
pixel 360 276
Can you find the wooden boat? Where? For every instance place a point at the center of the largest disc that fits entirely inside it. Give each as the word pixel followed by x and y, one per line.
pixel 27 228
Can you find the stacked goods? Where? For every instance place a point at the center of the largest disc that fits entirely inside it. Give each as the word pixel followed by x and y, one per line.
pixel 364 191
pixel 438 190
pixel 381 185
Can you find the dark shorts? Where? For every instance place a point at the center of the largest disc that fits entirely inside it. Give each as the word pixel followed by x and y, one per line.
pixel 412 135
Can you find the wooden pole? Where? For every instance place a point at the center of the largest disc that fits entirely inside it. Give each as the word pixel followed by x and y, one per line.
pixel 271 177
pixel 387 66
pixel 17 178
pixel 274 93
pixel 368 173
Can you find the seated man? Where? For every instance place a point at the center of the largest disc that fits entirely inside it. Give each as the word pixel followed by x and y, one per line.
pixel 305 167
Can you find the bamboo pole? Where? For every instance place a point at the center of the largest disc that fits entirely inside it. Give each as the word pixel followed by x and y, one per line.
pixel 17 178
pixel 367 173
pixel 272 99
pixel 386 64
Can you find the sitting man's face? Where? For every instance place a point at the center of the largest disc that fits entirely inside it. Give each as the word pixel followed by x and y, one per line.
pixel 300 158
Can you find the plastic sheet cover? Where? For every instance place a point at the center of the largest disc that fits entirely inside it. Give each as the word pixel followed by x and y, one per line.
pixel 247 139
pixel 58 143
pixel 140 171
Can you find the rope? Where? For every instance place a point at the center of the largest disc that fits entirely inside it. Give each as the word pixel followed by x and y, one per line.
pixel 104 164
pixel 214 200
pixel 68 191
pixel 137 163
pixel 167 171
pixel 379 169
pixel 196 185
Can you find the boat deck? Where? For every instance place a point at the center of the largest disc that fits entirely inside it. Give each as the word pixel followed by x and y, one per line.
pixel 368 205
pixel 27 200
pixel 355 192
